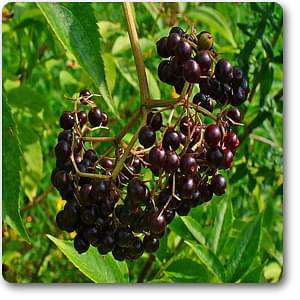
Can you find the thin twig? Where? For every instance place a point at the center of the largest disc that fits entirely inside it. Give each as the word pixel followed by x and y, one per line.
pixel 38 199
pixel 146 268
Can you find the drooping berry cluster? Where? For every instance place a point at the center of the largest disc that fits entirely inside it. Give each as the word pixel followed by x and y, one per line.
pixel 109 204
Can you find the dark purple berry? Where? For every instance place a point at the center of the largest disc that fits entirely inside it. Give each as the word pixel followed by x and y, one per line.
pixel 234 114
pixel 80 244
pixel 82 118
pixel 162 48
pixel 204 61
pixel 104 119
pixel 172 161
pixel 188 164
pixel 150 243
pixel 191 71
pixel 94 117
pixel 147 136
pixel 67 120
pixel 218 185
pixel 223 71
pixel 183 51
pixel 173 42
pixel 171 139
pixel 213 135
pixel 154 120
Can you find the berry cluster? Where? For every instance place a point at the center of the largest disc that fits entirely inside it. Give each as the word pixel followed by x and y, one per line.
pixel 192 59
pixel 109 204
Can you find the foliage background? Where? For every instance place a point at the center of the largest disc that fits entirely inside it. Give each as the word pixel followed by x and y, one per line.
pixel 234 238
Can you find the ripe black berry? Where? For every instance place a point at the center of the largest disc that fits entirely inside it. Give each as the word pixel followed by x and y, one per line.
pixel 223 70
pixel 157 223
pixel 62 150
pixel 218 185
pixel 186 186
pixel 88 215
pixel 157 156
pixel 234 114
pixel 188 164
pixel 150 243
pixel 171 139
pixel 172 161
pixel 82 118
pixel 154 120
pixel 162 48
pixel 80 244
pixel 213 135
pixel 147 136
pixel 67 120
pixel 94 117
pixel 173 41
pixel 191 71
pixel 183 51
pixel 119 253
pixel 204 61
pixel 215 156
pixel 177 30
pixel 104 119
pixel 137 191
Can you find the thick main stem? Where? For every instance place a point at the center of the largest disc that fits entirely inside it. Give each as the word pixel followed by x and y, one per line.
pixel 137 53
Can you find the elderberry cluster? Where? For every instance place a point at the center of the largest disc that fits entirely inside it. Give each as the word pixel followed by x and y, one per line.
pixel 109 204
pixel 192 59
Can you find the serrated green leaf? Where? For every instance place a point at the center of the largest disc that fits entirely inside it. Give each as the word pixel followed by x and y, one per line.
pixel 209 260
pixel 222 225
pixel 99 268
pixel 244 249
pixel 195 229
pixel 11 172
pixel 75 26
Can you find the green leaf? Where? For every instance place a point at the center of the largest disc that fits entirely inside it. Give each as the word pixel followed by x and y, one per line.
pixel 187 270
pixel 100 269
pixel 180 229
pixel 195 228
pixel 209 260
pixel 253 276
pixel 244 249
pixel 222 225
pixel 11 172
pixel 215 20
pixel 153 86
pixel 75 26
pixel 153 9
pixel 110 70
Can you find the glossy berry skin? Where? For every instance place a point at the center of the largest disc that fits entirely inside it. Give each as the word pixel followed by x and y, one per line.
pixel 205 194
pixel 172 161
pixel 237 76
pixel 239 97
pixel 188 164
pixel 157 223
pixel 173 41
pixel 205 40
pixel 186 186
pixel 157 156
pixel 67 120
pixel 177 30
pixel 227 159
pixel 185 125
pixel 137 191
pixel 147 136
pixel 183 209
pixel 191 71
pixel 230 140
pixel 163 71
pixel 151 244
pixel 204 61
pixel 183 51
pixel 218 185
pixel 62 150
pixel 162 48
pixel 94 117
pixel 223 71
pixel 80 244
pixel 119 253
pixel 104 119
pixel 154 120
pixel 107 163
pixel 203 101
pixel 91 155
pixel 82 118
pixel 234 114
pixel 85 93
pixel 171 139
pixel 213 135
pixel 84 193
pixel 215 156
pixel 88 215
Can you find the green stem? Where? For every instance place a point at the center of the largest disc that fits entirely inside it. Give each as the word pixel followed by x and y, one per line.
pixel 137 53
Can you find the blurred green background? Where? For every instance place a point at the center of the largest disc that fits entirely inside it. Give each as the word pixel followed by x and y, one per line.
pixel 37 73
